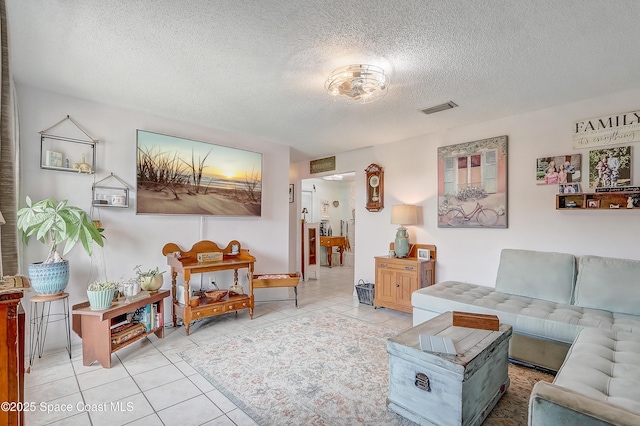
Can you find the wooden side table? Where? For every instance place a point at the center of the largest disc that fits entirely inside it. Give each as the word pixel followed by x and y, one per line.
pixel 330 243
pixel 40 318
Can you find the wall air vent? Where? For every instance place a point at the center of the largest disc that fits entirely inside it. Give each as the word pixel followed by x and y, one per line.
pixel 438 108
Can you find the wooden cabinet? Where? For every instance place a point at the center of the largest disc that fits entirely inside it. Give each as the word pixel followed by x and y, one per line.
pixel 397 279
pixel 621 200
pixel 94 327
pixel 310 250
pixel 11 356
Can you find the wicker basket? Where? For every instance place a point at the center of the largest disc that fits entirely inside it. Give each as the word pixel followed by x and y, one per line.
pixel 365 292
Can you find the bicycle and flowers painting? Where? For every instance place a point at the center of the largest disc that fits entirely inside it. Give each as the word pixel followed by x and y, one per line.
pixel 472 184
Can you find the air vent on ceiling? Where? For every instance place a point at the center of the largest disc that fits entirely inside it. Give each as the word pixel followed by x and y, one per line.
pixel 438 108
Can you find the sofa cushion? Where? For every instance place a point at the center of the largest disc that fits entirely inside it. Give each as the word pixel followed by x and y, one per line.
pixel 604 365
pixel 536 274
pixel 609 283
pixel 530 317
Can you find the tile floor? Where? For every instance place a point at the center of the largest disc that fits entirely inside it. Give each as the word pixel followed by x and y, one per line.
pixel 149 384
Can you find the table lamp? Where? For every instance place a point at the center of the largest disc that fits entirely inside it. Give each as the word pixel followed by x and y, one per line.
pixel 402 215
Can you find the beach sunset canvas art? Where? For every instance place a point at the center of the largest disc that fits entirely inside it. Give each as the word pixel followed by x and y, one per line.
pixel 181 176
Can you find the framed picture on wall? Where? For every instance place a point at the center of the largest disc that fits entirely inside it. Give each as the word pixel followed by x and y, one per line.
pixel 291 193
pixel 186 177
pixel 559 169
pixel 472 184
pixel 610 168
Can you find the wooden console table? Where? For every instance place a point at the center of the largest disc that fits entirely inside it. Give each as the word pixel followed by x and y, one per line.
pixel 330 243
pixel 186 263
pixel 94 327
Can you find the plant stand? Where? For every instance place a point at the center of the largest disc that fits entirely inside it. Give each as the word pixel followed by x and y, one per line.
pixel 41 316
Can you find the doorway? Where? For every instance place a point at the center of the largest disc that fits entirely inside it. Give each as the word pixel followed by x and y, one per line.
pixel 330 201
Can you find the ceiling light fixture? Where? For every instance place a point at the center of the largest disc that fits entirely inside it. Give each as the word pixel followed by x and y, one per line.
pixel 361 84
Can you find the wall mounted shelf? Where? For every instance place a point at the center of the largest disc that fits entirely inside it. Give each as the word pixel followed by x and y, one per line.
pixel 67 154
pixel 599 201
pixel 104 195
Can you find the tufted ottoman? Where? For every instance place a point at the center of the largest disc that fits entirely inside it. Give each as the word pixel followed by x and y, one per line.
pixel 598 383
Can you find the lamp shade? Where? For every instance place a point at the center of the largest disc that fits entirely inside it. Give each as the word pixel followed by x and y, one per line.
pixel 404 214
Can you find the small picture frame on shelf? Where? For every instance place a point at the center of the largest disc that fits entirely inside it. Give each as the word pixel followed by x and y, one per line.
pixel 593 204
pixel 53 159
pixel 424 254
pixel 568 188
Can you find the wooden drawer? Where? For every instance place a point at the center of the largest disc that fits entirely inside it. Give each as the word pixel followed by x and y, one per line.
pixel 398 267
pixel 235 305
pixel 207 311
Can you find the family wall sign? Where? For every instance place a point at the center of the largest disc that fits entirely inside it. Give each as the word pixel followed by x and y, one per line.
pixel 609 130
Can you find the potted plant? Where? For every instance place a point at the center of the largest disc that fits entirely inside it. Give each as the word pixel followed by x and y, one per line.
pixel 53 222
pixel 100 294
pixel 150 280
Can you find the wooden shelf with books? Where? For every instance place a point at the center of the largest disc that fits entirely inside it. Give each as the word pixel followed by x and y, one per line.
pixel 612 200
pixel 104 332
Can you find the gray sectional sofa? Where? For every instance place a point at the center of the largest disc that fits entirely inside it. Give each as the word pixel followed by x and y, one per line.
pixel 549 299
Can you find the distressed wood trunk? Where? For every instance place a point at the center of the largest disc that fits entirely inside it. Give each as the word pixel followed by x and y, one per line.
pixel 432 389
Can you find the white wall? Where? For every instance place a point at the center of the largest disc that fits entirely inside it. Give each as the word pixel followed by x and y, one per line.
pixel 472 255
pixel 138 239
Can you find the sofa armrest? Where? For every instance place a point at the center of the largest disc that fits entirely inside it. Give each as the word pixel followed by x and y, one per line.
pixel 552 404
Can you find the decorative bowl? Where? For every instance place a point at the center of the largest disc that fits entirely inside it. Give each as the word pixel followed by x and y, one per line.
pixel 215 295
pixel 194 301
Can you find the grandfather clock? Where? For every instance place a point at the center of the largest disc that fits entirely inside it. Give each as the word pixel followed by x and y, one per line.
pixel 375 188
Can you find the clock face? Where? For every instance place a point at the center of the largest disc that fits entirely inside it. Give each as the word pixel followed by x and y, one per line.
pixel 374 181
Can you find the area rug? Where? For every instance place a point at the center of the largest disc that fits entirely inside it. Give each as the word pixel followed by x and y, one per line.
pixel 324 369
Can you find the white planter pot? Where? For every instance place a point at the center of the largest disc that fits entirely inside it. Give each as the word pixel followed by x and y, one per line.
pixel 100 300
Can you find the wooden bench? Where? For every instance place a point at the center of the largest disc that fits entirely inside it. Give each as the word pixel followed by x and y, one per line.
pixel 278 280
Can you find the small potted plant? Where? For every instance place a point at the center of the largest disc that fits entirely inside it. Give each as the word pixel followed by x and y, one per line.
pixel 53 222
pixel 150 280
pixel 100 294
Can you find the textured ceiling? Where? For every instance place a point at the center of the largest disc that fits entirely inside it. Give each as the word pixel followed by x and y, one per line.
pixel 257 67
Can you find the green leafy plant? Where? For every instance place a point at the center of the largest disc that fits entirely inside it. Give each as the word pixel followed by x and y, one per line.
pixel 53 222
pixel 102 285
pixel 150 273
